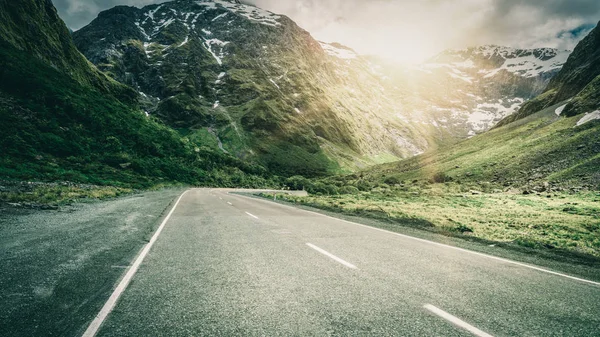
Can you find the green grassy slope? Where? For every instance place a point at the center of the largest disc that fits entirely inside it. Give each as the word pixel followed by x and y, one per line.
pixel 54 128
pixel 62 119
pixel 532 183
pixel 540 152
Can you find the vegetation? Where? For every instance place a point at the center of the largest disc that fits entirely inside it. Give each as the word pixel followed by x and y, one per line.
pixel 531 183
pixel 542 153
pixel 51 195
pixel 547 221
pixel 53 128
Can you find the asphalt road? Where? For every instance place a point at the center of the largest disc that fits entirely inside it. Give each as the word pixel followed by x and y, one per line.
pixel 228 265
pixel 57 268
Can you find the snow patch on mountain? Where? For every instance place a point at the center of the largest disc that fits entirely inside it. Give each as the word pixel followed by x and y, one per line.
pixel 560 109
pixel 250 12
pixel 218 55
pixel 531 65
pixel 485 115
pixel 589 117
pixel 339 51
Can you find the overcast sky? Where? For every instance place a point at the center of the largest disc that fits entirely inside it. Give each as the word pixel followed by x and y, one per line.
pixel 411 30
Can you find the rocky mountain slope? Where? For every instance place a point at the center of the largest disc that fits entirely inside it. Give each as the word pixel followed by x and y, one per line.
pixel 468 91
pixel 62 119
pixel 251 82
pixel 578 82
pixel 549 150
pixel 254 84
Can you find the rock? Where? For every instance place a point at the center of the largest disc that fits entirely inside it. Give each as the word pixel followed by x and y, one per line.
pixel 49 207
pixel 474 192
pixel 526 192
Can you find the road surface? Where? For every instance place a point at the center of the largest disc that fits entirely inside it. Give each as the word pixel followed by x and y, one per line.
pixel 228 265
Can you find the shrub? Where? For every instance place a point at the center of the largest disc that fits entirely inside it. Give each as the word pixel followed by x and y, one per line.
pixel 440 177
pixel 348 190
pixel 392 180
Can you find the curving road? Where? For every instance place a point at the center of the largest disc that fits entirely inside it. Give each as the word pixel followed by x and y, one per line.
pixel 228 265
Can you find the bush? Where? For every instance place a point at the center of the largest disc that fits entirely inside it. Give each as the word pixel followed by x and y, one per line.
pixel 320 188
pixel 440 177
pixel 392 180
pixel 462 229
pixel 348 190
pixel 297 183
pixel 364 185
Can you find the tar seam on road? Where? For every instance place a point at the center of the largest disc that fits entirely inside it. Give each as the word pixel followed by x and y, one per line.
pixel 114 297
pixel 252 215
pixel 456 321
pixel 442 245
pixel 333 257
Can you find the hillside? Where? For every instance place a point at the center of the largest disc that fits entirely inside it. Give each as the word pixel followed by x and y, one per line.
pixel 554 149
pixel 533 182
pixel 543 152
pixel 468 91
pixel 251 82
pixel 255 85
pixel 578 81
pixel 62 119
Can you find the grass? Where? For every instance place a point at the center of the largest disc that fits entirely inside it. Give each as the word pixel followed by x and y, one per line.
pixel 53 128
pixel 542 152
pixel 45 195
pixel 546 221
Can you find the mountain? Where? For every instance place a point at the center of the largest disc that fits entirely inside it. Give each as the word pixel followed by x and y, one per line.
pixel 468 91
pixel 252 83
pixel 550 150
pixel 577 82
pixel 63 119
pixel 255 85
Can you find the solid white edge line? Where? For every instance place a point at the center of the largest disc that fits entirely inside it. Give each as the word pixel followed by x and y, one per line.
pixel 112 300
pixel 440 244
pixel 229 203
pixel 333 257
pixel 252 215
pixel 456 321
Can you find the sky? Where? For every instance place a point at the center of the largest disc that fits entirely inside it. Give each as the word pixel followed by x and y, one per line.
pixel 410 31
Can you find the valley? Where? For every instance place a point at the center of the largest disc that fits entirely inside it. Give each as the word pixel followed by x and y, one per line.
pixel 211 167
pixel 220 93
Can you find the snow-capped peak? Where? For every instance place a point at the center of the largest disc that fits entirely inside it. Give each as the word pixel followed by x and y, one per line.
pixel 492 59
pixel 250 12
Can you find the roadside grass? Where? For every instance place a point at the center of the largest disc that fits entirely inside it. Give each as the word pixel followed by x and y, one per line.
pixel 562 221
pixel 44 195
pixel 48 195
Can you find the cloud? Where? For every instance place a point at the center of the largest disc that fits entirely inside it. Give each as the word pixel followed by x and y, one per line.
pixel 408 30
pixel 78 13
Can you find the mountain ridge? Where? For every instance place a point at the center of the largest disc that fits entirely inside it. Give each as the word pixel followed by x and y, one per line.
pixel 323 102
pixel 578 81
pixel 199 69
pixel 63 120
